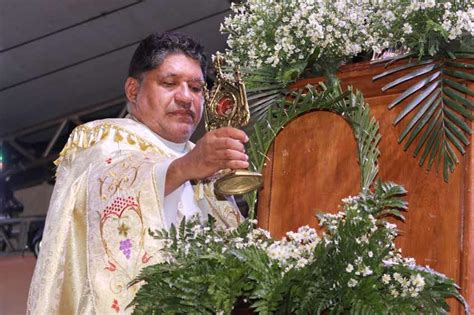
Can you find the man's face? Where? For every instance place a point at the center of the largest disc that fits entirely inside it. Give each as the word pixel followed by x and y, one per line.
pixel 169 99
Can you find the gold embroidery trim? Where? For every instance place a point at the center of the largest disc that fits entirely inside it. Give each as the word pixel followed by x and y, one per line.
pixel 83 137
pixel 227 210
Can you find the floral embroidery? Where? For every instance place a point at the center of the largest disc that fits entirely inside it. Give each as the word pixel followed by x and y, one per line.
pixel 114 213
pixel 111 266
pixel 123 229
pixel 126 247
pixel 115 306
pixel 146 258
pixel 118 207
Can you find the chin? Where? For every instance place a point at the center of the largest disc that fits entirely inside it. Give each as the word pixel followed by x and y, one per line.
pixel 183 134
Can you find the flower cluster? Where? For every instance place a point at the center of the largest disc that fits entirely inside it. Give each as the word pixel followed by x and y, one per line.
pixel 282 34
pixel 295 250
pixel 275 33
pixel 404 286
pixel 355 267
pixel 414 25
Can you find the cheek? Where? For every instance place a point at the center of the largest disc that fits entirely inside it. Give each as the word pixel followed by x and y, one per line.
pixel 199 109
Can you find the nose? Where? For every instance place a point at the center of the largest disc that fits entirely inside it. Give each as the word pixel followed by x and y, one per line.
pixel 183 95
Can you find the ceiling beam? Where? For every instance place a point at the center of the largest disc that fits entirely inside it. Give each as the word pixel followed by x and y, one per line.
pixel 71 116
pixel 20 149
pixel 55 138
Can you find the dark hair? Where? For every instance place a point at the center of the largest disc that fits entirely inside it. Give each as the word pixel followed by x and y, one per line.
pixel 151 52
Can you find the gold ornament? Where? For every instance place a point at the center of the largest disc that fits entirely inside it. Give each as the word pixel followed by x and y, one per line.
pixel 227 106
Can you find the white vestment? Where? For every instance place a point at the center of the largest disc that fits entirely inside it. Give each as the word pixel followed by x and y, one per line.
pixel 109 193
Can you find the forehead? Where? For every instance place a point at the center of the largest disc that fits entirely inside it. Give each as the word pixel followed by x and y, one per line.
pixel 178 64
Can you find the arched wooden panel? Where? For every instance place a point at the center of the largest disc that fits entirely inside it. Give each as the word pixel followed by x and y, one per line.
pixel 313 166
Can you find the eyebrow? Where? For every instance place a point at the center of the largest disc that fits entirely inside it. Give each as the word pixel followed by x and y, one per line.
pixel 173 75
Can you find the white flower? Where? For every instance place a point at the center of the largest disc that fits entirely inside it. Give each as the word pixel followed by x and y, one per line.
pixel 398 277
pixel 404 282
pixel 349 268
pixel 413 292
pixel 366 271
pixel 364 239
pixel 407 28
pixel 418 281
pixel 352 283
pixel 386 278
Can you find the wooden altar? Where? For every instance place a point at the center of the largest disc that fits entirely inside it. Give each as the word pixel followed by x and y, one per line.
pixel 312 165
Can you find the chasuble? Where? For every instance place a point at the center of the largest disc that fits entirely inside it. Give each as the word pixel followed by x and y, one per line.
pixel 109 192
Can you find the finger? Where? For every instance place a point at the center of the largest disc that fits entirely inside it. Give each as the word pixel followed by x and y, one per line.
pixel 228 143
pixel 231 132
pixel 227 155
pixel 235 165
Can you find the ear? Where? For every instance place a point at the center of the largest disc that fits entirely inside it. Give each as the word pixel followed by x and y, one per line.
pixel 131 90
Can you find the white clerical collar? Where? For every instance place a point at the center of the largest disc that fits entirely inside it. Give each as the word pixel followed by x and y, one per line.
pixel 178 148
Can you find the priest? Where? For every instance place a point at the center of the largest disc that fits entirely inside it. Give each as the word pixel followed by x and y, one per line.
pixel 119 178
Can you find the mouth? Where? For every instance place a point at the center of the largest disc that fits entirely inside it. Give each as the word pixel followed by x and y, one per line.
pixel 183 113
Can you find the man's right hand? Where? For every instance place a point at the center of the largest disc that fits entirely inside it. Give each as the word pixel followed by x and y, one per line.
pixel 219 149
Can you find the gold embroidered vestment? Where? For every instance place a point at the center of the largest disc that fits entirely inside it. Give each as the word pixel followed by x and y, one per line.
pixel 109 191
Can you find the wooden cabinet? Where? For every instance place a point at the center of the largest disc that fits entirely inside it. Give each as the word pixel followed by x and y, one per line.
pixel 312 165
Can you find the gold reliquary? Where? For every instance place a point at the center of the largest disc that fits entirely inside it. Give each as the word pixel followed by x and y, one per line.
pixel 227 106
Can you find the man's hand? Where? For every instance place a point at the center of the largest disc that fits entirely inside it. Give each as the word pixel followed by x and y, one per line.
pixel 219 149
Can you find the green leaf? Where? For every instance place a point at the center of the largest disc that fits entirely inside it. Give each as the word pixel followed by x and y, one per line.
pixel 417 100
pixel 458 108
pixel 425 135
pixel 291 74
pixel 270 92
pixel 458 97
pixel 416 118
pixel 451 99
pixel 460 65
pixel 414 88
pixel 458 121
pixel 410 76
pixel 402 67
pixel 435 150
pixel 451 54
pixel 455 141
pixel 419 126
pixel 465 55
pixel 458 86
pixel 388 61
pixel 264 88
pixel 456 131
pixel 459 74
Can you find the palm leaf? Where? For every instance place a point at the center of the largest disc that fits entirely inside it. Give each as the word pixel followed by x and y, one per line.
pixel 402 67
pixel 428 104
pixel 416 101
pixel 411 75
pixel 420 124
pixel 439 97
